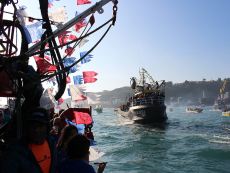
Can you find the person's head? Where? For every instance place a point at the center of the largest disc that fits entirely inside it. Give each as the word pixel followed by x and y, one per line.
pixel 7 111
pixel 77 147
pixel 38 126
pixel 1 115
pixel 57 122
pixel 67 132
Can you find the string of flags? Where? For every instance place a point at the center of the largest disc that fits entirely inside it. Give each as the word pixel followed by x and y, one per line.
pixel 33 33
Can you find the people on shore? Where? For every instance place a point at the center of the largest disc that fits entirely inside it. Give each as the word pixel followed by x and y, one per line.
pixel 36 151
pixel 78 157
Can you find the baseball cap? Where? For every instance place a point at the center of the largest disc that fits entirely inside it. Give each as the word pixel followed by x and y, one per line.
pixel 39 114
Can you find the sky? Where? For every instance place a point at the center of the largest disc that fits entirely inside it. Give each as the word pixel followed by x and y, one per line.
pixel 174 40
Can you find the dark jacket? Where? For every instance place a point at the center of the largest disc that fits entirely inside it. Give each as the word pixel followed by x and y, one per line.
pixel 21 159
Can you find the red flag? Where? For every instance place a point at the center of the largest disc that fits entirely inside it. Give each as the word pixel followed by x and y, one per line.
pixel 60 101
pixel 80 24
pixel 89 74
pixel 72 37
pixel 63 37
pixel 82 118
pixel 90 80
pixel 82 2
pixel 68 80
pixel 44 66
pixel 67 51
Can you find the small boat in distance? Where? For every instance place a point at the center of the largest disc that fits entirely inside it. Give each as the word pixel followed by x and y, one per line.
pixel 193 110
pixel 226 113
pixel 98 109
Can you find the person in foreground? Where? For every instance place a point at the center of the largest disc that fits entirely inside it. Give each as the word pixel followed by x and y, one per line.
pixel 35 152
pixel 77 160
pixel 67 132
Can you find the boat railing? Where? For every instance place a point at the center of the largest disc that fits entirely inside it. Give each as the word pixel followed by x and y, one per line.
pixel 148 101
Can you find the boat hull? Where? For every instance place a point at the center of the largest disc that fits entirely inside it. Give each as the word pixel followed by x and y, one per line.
pixel 145 114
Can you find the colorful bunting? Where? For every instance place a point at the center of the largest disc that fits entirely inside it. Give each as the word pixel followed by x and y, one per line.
pixel 44 66
pixel 32 32
pixel 68 80
pixel 72 37
pixel 58 15
pixel 87 58
pixel 89 74
pixel 69 52
pixel 82 2
pixel 63 37
pixel 47 58
pixel 76 92
pixel 82 43
pixel 78 79
pixel 90 80
pixel 68 62
pixel 60 101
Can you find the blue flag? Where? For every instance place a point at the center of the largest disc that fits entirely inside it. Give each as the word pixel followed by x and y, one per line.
pixel 78 79
pixel 68 91
pixel 32 32
pixel 68 62
pixel 87 58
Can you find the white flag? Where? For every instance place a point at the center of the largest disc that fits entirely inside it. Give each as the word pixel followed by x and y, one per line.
pixel 47 100
pixel 58 16
pixel 83 41
pixel 92 98
pixel 94 153
pixel 76 91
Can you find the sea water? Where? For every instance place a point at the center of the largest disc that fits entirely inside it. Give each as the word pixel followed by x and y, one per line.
pixel 186 143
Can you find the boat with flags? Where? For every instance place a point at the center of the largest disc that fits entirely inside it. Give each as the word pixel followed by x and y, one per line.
pixel 193 110
pixel 99 108
pixel 42 41
pixel 147 105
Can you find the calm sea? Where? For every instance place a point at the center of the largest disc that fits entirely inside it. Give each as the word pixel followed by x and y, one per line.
pixel 186 143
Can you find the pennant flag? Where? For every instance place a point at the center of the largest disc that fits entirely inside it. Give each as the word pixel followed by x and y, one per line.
pixel 72 37
pixel 68 80
pixel 58 15
pixel 82 118
pixel 80 127
pixel 94 153
pixel 47 100
pixel 78 79
pixel 76 92
pixel 67 51
pixel 68 91
pixel 44 66
pixel 22 16
pixel 79 25
pixel 87 58
pixel 93 98
pixel 90 80
pixel 89 74
pixel 68 62
pixel 82 43
pixel 63 37
pixel 32 32
pixel 82 2
pixel 60 101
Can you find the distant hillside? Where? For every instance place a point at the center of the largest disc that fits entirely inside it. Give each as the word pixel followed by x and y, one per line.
pixel 188 90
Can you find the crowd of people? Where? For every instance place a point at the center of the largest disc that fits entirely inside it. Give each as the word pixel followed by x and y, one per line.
pixel 49 150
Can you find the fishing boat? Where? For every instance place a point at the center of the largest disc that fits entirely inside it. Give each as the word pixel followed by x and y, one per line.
pixel 219 104
pixel 99 108
pixel 147 105
pixel 115 110
pixel 194 110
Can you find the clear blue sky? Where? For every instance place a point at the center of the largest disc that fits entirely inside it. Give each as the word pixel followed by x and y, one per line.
pixel 174 40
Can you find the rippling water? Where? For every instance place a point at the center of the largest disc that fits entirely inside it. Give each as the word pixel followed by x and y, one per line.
pixel 186 143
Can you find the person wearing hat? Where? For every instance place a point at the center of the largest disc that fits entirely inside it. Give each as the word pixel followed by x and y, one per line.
pixel 36 151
